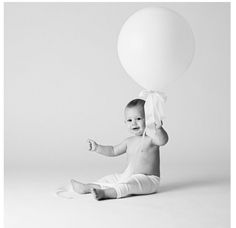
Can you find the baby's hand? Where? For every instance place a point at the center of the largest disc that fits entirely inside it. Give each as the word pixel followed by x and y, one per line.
pixel 154 126
pixel 158 124
pixel 92 145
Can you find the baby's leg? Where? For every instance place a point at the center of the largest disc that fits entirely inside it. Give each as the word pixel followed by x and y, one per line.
pixel 83 188
pixel 108 193
pixel 104 182
pixel 138 184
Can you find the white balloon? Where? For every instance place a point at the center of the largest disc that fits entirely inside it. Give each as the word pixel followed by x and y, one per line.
pixel 155 46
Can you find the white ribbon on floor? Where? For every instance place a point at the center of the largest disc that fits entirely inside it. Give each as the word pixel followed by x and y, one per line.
pixel 66 192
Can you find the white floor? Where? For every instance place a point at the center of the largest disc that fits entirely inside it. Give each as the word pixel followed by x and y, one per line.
pixel 189 198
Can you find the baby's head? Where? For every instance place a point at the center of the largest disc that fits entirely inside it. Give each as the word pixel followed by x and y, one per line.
pixel 135 116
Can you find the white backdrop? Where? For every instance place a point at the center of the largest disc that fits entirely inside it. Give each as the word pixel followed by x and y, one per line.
pixel 64 83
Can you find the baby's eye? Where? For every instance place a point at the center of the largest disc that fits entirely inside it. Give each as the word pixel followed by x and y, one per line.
pixel 139 118
pixel 129 120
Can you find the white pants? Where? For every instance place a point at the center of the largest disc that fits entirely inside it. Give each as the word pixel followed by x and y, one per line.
pixel 136 184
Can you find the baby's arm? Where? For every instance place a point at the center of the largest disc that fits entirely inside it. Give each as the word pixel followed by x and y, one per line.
pixel 158 134
pixel 110 151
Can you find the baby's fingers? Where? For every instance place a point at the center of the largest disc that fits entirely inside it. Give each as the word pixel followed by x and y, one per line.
pixel 90 141
pixel 92 144
pixel 89 144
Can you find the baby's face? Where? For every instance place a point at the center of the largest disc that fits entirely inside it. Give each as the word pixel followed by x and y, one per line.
pixel 135 120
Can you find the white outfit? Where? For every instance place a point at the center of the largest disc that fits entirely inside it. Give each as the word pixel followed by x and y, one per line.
pixel 124 183
pixel 135 184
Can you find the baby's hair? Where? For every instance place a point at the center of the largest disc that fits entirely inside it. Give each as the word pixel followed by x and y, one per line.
pixel 136 103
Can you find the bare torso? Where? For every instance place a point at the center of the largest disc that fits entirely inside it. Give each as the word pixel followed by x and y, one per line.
pixel 143 156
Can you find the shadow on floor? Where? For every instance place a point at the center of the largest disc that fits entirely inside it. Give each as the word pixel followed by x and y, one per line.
pixel 194 183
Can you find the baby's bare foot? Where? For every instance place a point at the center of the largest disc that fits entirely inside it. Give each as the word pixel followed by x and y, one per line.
pixel 98 193
pixel 80 187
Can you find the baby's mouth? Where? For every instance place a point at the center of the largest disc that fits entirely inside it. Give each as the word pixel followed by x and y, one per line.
pixel 135 128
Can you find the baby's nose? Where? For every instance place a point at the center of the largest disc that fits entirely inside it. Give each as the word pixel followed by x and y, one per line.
pixel 134 122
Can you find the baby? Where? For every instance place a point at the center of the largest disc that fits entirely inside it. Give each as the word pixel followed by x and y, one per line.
pixel 142 175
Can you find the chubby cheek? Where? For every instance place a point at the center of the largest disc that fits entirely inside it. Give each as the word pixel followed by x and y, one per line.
pixel 142 124
pixel 128 126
